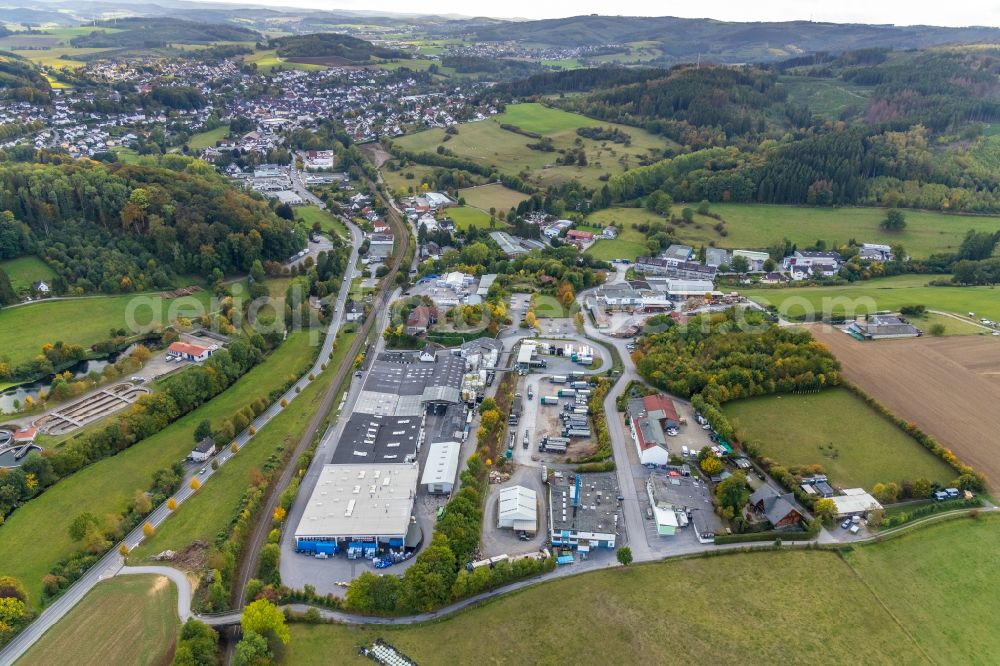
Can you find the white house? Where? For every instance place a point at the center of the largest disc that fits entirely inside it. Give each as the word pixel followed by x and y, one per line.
pixel 203 450
pixel 517 508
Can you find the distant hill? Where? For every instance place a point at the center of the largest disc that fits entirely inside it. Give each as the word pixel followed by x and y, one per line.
pixel 159 31
pixel 332 46
pixel 681 39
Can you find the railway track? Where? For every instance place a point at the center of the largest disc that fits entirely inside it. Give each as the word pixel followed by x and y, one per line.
pixel 251 554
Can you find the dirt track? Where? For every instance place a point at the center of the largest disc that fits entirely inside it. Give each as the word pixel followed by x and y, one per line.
pixel 948 386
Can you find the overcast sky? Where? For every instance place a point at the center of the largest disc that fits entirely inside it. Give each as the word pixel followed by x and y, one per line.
pixel 900 12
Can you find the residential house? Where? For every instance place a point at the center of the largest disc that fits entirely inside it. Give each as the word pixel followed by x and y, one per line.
pixel 203 450
pixel 777 508
pixel 818 264
pixel 420 319
pixel 353 311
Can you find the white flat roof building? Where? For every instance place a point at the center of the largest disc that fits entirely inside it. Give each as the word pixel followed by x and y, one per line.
pixel 517 508
pixel 441 467
pixel 360 502
pixel 855 502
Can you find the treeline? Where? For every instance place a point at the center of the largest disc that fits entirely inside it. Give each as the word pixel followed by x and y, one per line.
pixel 613 134
pixel 574 80
pixel 121 228
pixel 152 413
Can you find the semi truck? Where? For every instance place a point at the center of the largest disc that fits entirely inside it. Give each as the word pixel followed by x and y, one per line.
pixel 549 400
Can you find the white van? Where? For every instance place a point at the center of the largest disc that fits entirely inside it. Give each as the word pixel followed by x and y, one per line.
pixel 684 451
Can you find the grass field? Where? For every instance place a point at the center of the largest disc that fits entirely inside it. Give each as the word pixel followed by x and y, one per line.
pixel 24 272
pixel 107 486
pixel 867 448
pixel 209 512
pixel 928 597
pixel 629 244
pixel 757 226
pixel 493 195
pixel 881 294
pixel 124 620
pixel 466 216
pixel 951 325
pixel 208 139
pixel 328 221
pixel 85 321
pixel 486 143
pixel 267 59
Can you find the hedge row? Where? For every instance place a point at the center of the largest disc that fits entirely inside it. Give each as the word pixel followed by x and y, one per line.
pixel 809 534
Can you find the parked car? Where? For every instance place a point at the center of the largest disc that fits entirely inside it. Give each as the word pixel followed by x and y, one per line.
pixel 845 524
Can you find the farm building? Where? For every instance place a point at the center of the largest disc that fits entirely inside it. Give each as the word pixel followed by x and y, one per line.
pixel 358 507
pixel 769 505
pixel 855 502
pixel 584 514
pixel 517 508
pixel 649 418
pixel 191 352
pixel 883 327
pixel 441 467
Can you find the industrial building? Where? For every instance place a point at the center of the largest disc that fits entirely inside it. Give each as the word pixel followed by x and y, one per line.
pixel 517 508
pixel 583 514
pixel 408 383
pixel 441 467
pixel 378 438
pixel 359 508
pixel 679 501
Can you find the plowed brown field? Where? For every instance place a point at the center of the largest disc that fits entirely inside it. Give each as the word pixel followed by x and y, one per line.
pixel 948 386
